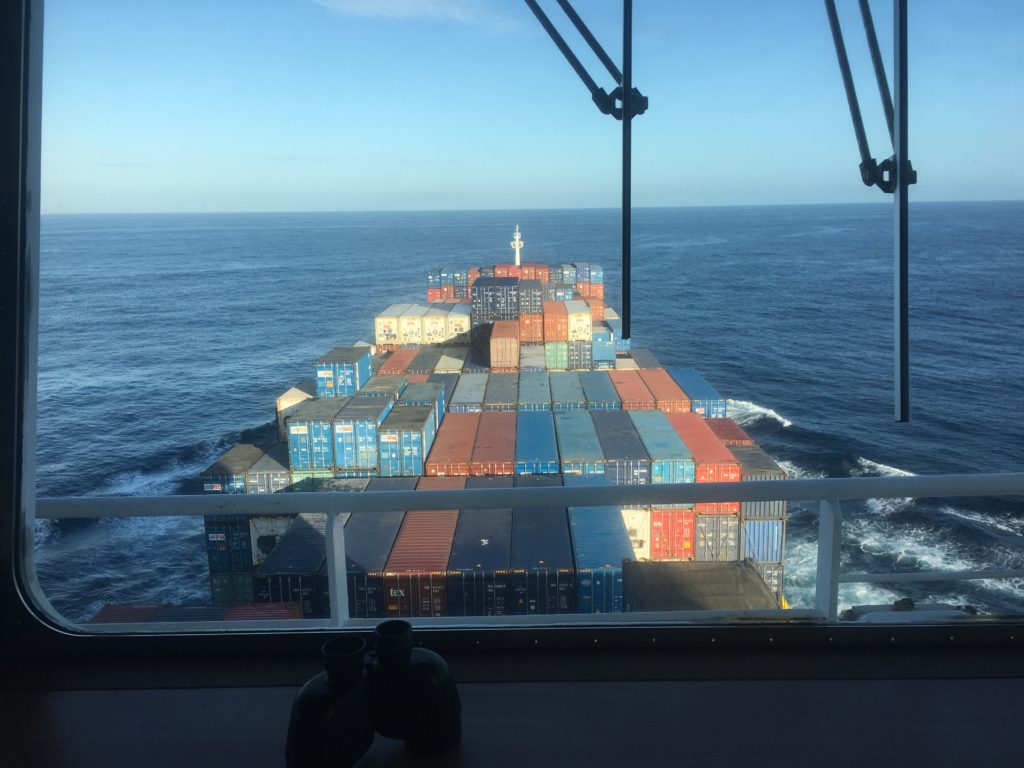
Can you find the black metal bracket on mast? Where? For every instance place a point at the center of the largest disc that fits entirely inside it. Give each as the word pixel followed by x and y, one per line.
pixel 632 103
pixel 893 175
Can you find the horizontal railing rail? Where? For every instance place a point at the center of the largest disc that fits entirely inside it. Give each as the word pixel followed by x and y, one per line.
pixel 828 492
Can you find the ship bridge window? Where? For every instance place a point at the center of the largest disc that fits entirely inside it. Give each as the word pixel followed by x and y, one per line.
pixel 291 348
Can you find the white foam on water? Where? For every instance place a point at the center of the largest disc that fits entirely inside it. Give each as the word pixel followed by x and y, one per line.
pixel 873 468
pixel 1013 526
pixel 46 532
pixel 745 413
pixel 799 473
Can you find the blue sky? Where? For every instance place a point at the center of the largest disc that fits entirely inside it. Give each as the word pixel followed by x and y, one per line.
pixel 306 105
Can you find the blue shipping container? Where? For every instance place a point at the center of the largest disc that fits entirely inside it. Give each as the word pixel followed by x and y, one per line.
pixel 389 387
pixel 600 544
pixel 599 391
pixel 704 398
pixel 578 446
pixel 479 578
pixel 671 460
pixel 536 446
pixel 369 537
pixel 228 543
pixel 405 438
pixel 542 557
pixel 427 393
pixel 764 540
pixel 534 391
pixel 355 432
pixel 567 392
pixel 342 371
pixel 311 433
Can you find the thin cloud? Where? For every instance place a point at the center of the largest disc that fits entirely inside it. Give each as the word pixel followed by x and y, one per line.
pixel 462 11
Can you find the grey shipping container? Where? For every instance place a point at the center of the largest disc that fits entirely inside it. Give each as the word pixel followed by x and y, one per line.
pixel 534 391
pixel 600 392
pixel 502 393
pixel 689 586
pixel 566 391
pixel 626 459
pixel 542 554
pixel 755 464
pixel 270 473
pixel 469 393
pixel 228 473
pixel 578 446
pixel 291 574
pixel 717 538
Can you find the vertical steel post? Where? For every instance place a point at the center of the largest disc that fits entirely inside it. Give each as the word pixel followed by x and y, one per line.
pixel 337 575
pixel 830 539
pixel 627 160
pixel 901 335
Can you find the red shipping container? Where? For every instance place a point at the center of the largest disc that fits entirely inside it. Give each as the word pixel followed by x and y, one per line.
pixel 596 308
pixel 418 378
pixel 531 328
pixel 415 578
pixel 264 611
pixel 729 432
pixel 434 296
pixel 556 321
pixel 453 445
pixel 448 292
pixel 597 291
pixel 505 344
pixel 583 288
pixel 668 397
pixel 529 271
pixel 543 273
pixel 443 483
pixel 494 449
pixel 632 391
pixel 714 463
pixel 507 270
pixel 398 362
pixel 673 532
pixel 472 276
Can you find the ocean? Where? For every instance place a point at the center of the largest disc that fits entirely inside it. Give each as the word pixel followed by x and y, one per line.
pixel 165 339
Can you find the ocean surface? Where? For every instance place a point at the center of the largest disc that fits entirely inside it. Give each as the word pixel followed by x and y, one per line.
pixel 164 339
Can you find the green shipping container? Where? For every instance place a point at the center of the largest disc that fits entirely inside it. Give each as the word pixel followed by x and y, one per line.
pixel 231 588
pixel 556 355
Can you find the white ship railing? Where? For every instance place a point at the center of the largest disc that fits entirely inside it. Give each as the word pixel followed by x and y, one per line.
pixel 829 493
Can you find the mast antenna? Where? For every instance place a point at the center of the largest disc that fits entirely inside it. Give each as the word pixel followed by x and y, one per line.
pixel 517 243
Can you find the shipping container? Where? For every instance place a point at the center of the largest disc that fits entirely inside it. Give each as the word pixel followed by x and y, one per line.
pixel 632 391
pixel 355 432
pixel 603 347
pixel 582 271
pixel 459 324
pixel 385 325
pixel 502 393
pixel 671 460
pixel 626 364
pixel 494 298
pixel 596 305
pixel 382 385
pixel 531 358
pixel 559 292
pixel 505 344
pixel 228 543
pixel 626 460
pixel 328 484
pixel 508 270
pixel 453 446
pixel 376 361
pixel 536 445
pixel 494 449
pixel 231 588
pixel 311 433
pixel 392 484
pixel 713 461
pixel 638 528
pixel 435 324
pixel 440 483
pixel 286 402
pixel 763 540
pixel 469 393
pixel 417 378
pixel 434 295
pixel 410 324
pixel 531 328
pixel 263 612
pixel 673 533
pixel 644 358
pixel 270 472
pixel 728 586
pixel 292 571
pixel 600 545
pixel 542 554
pixel 729 432
pixel 556 355
pixel 265 532
pixel 717 537
pixel 228 473
pixel 581 355
pixel 451 361
pixel 125 614
pixel 398 362
pixel 479 568
pixel 541 481
pixel 578 446
pixel 567 273
pixel 415 576
pixel 534 391
pixel 668 397
pixel 425 361
pixel 190 613
pixel 704 399
pixel 430 394
pixel 580 324
pixel 596 273
pixel 755 464
pixel 566 391
pixel 599 391
pixel 342 371
pixel 773 576
pixel 556 321
pixel 369 537
pixel 447 380
pixel 405 439
pixel 531 297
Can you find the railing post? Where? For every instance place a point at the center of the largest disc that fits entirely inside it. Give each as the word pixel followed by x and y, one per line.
pixel 830 539
pixel 336 572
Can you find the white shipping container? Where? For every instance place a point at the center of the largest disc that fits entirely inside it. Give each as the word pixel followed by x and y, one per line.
pixel 459 323
pixel 435 326
pixel 302 391
pixel 532 356
pixel 385 325
pixel 264 533
pixel 452 360
pixel 626 364
pixel 410 325
pixel 581 326
pixel 638 526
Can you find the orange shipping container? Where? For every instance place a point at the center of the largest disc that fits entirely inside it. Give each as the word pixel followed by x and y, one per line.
pixel 442 483
pixel 434 295
pixel 505 344
pixel 415 578
pixel 668 397
pixel 596 308
pixel 494 450
pixel 556 321
pixel 453 445
pixel 672 534
pixel 529 271
pixel 531 328
pixel 632 391
pixel 597 291
pixel 714 463
pixel 418 378
pixel 398 362
pixel 543 273
pixel 507 270
pixel 583 288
